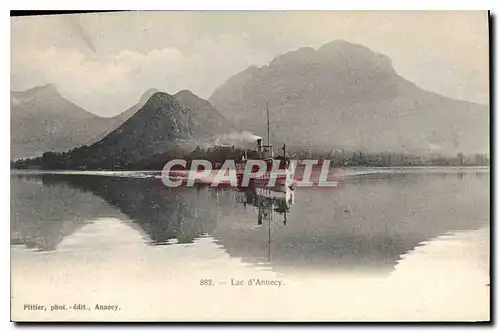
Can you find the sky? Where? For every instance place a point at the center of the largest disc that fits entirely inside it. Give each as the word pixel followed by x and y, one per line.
pixel 104 62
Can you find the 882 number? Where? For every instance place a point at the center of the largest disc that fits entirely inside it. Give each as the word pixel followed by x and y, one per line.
pixel 206 282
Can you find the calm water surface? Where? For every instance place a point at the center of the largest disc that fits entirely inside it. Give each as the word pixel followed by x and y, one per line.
pixel 403 246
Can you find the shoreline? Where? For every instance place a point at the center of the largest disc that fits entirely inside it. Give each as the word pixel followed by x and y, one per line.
pixel 340 172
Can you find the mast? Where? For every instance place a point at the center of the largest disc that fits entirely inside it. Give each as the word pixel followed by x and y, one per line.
pixel 268 134
pixel 269 234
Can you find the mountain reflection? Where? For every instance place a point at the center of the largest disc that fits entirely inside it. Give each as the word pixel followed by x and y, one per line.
pixel 367 223
pixel 45 212
pixel 162 213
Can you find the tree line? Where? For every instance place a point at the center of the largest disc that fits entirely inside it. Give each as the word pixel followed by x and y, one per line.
pixel 78 159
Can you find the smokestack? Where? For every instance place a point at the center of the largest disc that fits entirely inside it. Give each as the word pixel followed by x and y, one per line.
pixel 259 144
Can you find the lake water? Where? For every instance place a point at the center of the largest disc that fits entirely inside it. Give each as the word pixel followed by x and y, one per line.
pixel 378 247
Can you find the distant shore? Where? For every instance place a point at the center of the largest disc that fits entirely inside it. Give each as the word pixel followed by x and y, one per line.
pixel 339 172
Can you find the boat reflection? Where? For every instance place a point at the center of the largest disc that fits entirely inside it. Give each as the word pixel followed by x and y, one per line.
pixel 268 202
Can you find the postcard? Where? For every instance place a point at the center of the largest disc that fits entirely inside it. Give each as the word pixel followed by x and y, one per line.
pixel 250 166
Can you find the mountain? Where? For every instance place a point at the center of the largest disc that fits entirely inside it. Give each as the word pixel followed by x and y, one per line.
pixel 118 120
pixel 160 124
pixel 344 95
pixel 165 124
pixel 205 113
pixel 42 120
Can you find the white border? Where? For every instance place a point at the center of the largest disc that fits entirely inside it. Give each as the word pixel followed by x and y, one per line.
pixel 256 5
pixel 185 5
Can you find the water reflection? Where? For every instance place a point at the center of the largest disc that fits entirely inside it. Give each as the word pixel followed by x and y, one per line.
pixel 366 223
pixel 162 213
pixel 269 203
pixel 45 212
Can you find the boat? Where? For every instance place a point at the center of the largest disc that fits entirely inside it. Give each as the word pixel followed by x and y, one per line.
pixel 279 167
pixel 280 174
